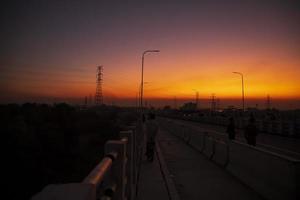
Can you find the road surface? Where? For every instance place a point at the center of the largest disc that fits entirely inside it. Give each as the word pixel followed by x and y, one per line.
pixel 196 177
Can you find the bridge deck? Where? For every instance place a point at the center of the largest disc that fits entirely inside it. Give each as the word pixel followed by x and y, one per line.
pixel 196 177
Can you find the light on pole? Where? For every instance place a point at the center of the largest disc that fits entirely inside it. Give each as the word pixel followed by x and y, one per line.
pixel 197 98
pixel 145 96
pixel 142 79
pixel 243 95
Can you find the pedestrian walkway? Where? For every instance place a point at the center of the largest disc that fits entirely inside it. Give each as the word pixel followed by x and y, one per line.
pixel 151 182
pixel 196 177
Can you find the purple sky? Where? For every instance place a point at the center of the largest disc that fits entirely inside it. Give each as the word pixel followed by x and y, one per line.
pixel 50 49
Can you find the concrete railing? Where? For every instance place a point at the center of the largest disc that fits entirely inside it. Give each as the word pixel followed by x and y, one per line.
pixel 115 177
pixel 276 127
pixel 273 175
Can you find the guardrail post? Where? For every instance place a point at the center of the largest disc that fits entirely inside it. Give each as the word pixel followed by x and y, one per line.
pixel 118 170
pixel 134 151
pixel 130 162
pixel 139 139
pixel 296 128
pixel 139 152
pixel 140 135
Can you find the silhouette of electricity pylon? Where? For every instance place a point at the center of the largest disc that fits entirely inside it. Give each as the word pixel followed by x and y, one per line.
pixel 99 94
pixel 197 99
pixel 218 107
pixel 175 102
pixel 213 103
pixel 268 102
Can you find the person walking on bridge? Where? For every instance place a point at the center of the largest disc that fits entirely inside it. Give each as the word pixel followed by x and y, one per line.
pixel 251 132
pixel 151 131
pixel 231 129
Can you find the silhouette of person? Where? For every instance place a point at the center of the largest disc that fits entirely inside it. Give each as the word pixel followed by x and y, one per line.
pixel 251 131
pixel 231 129
pixel 151 130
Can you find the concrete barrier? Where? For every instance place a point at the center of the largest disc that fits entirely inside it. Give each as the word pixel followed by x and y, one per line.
pixel 275 127
pixel 239 123
pixel 259 125
pixel 266 127
pixel 221 155
pixel 296 129
pixel 273 176
pixel 209 146
pixel 129 154
pixel 287 129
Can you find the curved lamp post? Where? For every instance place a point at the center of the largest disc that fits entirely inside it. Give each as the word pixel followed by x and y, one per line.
pixel 197 98
pixel 243 95
pixel 142 80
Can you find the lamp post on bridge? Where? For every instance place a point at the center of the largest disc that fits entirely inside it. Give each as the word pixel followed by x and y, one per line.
pixel 197 98
pixel 145 96
pixel 243 95
pixel 142 79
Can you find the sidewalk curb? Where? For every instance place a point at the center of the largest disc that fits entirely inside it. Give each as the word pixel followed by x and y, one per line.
pixel 173 193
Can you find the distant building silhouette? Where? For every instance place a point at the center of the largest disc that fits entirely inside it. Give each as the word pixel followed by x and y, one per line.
pixel 190 106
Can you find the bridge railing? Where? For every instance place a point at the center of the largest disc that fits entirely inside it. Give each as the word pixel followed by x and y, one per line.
pixel 276 127
pixel 115 177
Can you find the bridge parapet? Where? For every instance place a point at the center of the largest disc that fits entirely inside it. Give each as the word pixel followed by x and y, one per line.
pixel 115 177
pixel 278 127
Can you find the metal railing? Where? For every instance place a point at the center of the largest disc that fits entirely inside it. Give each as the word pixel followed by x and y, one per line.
pixel 115 177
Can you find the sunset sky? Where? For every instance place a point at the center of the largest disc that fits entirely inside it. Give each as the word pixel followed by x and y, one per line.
pixel 50 49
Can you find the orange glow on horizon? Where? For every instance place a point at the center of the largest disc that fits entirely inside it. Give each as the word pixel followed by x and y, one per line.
pixel 167 78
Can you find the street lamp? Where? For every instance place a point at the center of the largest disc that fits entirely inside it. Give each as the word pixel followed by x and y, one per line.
pixel 144 96
pixel 142 81
pixel 197 98
pixel 243 96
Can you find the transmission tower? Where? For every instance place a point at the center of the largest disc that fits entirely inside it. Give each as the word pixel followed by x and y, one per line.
pixel 99 94
pixel 85 101
pixel 218 106
pixel 197 100
pixel 213 103
pixel 90 101
pixel 268 102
